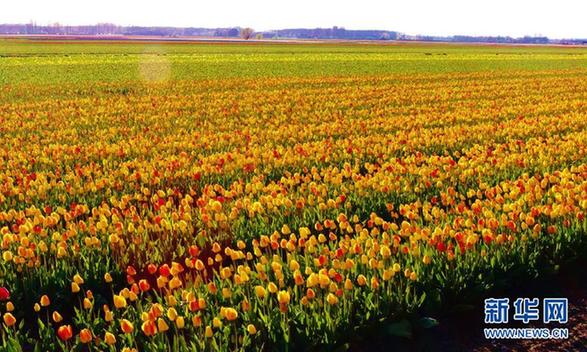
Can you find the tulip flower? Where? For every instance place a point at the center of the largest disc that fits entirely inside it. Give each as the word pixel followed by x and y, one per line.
pixel 119 301
pixel 87 303
pixel 85 336
pixel 108 316
pixel 126 326
pixel 171 314
pixel 260 292
pixel 107 278
pixel 162 325
pixel 332 299
pixel 208 333
pixel 109 338
pixel 4 294
pixel 9 319
pixel 149 328
pixel 283 297
pixel 56 317
pixel 78 279
pixel 180 322
pixel 65 332
pixel 7 256
pixel 231 314
pixel 144 285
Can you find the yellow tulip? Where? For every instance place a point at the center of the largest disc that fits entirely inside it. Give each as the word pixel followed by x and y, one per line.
pixel 283 297
pixel 231 314
pixel 332 299
pixel 209 332
pixel 171 314
pixel 78 279
pixel 109 338
pixel 119 301
pixel 251 329
pixel 260 292
pixel 162 325
pixel 7 256
pixel 180 322
pixel 107 278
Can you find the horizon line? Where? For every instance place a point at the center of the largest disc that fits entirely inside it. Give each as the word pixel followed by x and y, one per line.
pixel 536 35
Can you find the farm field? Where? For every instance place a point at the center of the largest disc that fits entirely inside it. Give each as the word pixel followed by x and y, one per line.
pixel 185 196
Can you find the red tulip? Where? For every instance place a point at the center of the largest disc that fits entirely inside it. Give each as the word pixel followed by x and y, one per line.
pixel 152 269
pixel 164 270
pixel 144 285
pixel 194 251
pixel 4 294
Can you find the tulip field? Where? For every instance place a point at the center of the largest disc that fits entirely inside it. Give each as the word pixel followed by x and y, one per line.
pixel 203 197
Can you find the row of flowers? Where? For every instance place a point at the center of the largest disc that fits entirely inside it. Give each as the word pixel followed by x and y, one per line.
pixel 290 213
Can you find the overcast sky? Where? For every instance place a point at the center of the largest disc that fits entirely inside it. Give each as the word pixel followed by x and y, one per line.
pixel 556 19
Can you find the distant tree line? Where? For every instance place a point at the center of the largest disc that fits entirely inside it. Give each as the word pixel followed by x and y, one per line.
pixel 235 32
pixel 111 29
pixel 491 39
pixel 331 33
pixel 104 29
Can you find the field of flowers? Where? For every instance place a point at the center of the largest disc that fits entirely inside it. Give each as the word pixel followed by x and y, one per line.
pixel 177 197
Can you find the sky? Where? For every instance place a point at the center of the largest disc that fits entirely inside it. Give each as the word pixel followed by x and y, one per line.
pixel 555 19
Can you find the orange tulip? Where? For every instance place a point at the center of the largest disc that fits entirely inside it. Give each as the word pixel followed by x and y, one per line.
pixel 149 328
pixel 9 319
pixel 126 326
pixel 109 338
pixel 65 332
pixel 56 317
pixel 85 336
pixel 45 301
pixel 231 314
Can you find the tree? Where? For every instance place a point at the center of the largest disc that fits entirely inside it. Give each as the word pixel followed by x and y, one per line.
pixel 247 33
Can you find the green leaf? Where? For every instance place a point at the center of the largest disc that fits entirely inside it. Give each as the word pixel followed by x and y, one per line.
pixel 422 299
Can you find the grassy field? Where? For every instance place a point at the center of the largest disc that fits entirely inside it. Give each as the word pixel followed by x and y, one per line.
pixel 50 62
pixel 189 196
